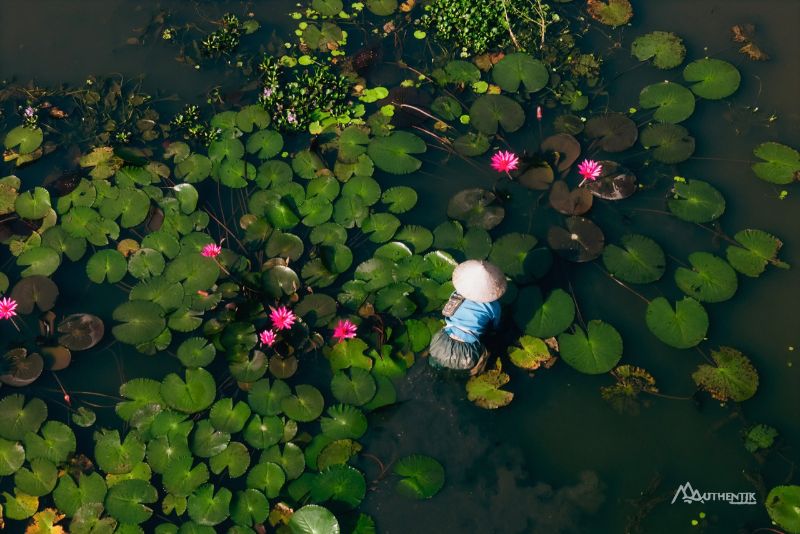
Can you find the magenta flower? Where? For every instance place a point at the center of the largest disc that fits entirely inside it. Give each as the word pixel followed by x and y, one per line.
pixel 267 337
pixel 590 170
pixel 212 250
pixel 504 161
pixel 8 307
pixel 539 113
pixel 282 318
pixel 344 330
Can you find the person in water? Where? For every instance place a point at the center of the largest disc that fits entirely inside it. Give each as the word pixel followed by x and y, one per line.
pixel 472 308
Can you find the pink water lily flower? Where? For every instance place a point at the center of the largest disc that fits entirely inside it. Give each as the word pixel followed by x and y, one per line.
pixel 212 250
pixel 267 337
pixel 344 330
pixel 282 318
pixel 504 161
pixel 8 307
pixel 590 170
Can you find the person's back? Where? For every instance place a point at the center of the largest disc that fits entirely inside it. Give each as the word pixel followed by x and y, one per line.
pixel 472 318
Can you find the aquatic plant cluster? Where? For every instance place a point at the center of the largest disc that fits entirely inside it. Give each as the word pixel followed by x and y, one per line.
pixel 257 237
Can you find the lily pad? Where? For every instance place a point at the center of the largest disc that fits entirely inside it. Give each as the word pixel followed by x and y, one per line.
pixel 595 351
pixel 12 456
pixel 22 368
pixel 474 207
pixel 666 49
pixel 511 253
pixel 581 240
pixel 265 144
pixel 313 519
pixel 671 143
pixel 757 249
pixel 713 78
pixel 393 153
pixel 565 147
pixel 72 493
pixel 17 418
pixel 399 199
pixel 696 201
pixel 471 144
pixel 520 68
pixel 575 202
pixel 192 395
pixel 711 278
pixel 207 507
pixel 531 353
pixel 673 102
pixel 484 389
pixel 24 139
pixel 543 318
pixel 341 484
pixel 422 477
pixel 783 505
pixel 355 386
pixel 781 163
pixel 490 112
pixel 610 12
pixel 106 265
pixel 39 261
pixel 38 480
pixel 127 501
pixel 683 327
pixel 614 183
pixel 639 260
pixel 54 442
pixel 115 456
pixel 382 8
pixel 733 376
pixel 612 132
pixel 305 405
pixel 537 177
pixel 142 321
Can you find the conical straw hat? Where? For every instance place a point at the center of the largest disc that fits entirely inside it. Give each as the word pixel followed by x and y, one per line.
pixel 479 280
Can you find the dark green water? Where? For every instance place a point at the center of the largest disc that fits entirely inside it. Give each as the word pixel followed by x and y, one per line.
pixel 558 459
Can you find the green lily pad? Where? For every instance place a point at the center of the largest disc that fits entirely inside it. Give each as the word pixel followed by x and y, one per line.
pixel 33 204
pixel 673 102
pixel 475 207
pixel 696 201
pixel 671 143
pixel 313 519
pixel 610 12
pixel 399 199
pixel 781 163
pixel 39 261
pixel 142 321
pixel 490 112
pixel 267 477
pixel 356 387
pixel 193 395
pixel 666 49
pixel 711 278
pixel 266 399
pixel 593 352
pixel 208 441
pixel 56 443
pixel 421 476
pixel 146 263
pixel 713 78
pixel 350 211
pixel 18 418
pixel 196 352
pixel 140 393
pixel 194 169
pixel 127 501
pixel 484 389
pixel 107 265
pixel 392 153
pixel 612 132
pixel 327 8
pixel 471 144
pixel 510 253
pixel 181 479
pixel 639 260
pixel 683 327
pixel 252 116
pixel 207 507
pixel 235 458
pixel 38 480
pixel 116 456
pixel 352 143
pixel 249 507
pixel 20 505
pixel 418 237
pixel 543 318
pixel 344 422
pixel 12 456
pixel 520 68
pixel 733 376
pixel 265 144
pixel 783 505
pixel 531 353
pixel 461 72
pixel 446 107
pixel 25 139
pixel 305 405
pixel 292 459
pixel 341 484
pixel 757 249
pixel 227 417
pixel 72 493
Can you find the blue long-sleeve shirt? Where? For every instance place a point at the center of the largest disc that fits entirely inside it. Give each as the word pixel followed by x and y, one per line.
pixel 472 318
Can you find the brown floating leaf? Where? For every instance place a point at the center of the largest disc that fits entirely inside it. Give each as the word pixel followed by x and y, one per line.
pixel 575 202
pixel 745 33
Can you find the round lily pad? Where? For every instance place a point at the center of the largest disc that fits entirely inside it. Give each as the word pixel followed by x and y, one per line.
pixel 393 153
pixel 682 327
pixel 511 254
pixel 612 132
pixel 105 265
pixel 490 112
pixel 194 394
pixel 12 456
pixel 520 68
pixel 671 143
pixel 485 389
pixel 471 144
pixel 575 202
pixel 665 49
pixel 475 207
pixel 54 442
pixel 565 147
pixel 249 507
pixel 537 177
pixel 711 279
pixel 781 163
pixel 22 368
pixel 142 321
pixel 355 386
pixel 305 405
pixel 610 12
pixel 713 78
pixel 595 351
pixel 614 183
pixel 733 376
pixel 34 291
pixel 313 519
pixel 543 318
pixel 207 507
pixel 673 102
pixel 696 201
pixel 531 353
pixel 579 240
pixel 344 422
pixel 24 139
pixel 757 249
pixel 421 476
pixel 339 483
pixel 127 501
pixel 639 260
pixel 399 199
pixel 783 505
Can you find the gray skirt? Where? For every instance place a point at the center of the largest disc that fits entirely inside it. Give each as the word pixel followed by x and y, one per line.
pixel 451 354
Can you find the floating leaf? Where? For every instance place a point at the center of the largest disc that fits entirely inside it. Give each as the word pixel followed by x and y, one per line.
pixel 531 354
pixel 565 147
pixel 193 395
pixel 72 493
pixel 614 183
pixel 783 505
pixel 356 387
pixel 666 49
pixel 520 68
pixel 393 152
pixel 305 405
pixel 696 201
pixel 575 202
pixel 105 265
pixel 207 507
pixel 12 456
pixel 39 480
pixel 758 248
pixel 196 352
pixel 611 12
pixel 127 501
pixel 781 163
pixel 265 144
pixel 421 476
pixel 511 253
pixel 313 519
pixel 489 112
pixel 474 207
pixel 24 138
pixel 733 376
pixel 55 442
pixel 40 261
pixel 683 327
pixel 671 143
pixel 714 78
pixel 484 389
pixel 249 507
pixel 399 199
pixel 595 351
pixel 543 318
pixel 471 144
pixel 581 240
pixel 22 368
pixel 142 321
pixel 267 477
pixel 339 483
pixel 640 260
pixel 18 418
pixel 612 132
pixel 673 102
pixel 115 456
pixel 711 278
pixel 344 422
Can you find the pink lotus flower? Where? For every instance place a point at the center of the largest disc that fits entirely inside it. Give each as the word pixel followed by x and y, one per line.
pixel 504 161
pixel 282 318
pixel 212 250
pixel 539 113
pixel 590 170
pixel 8 308
pixel 344 330
pixel 267 337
